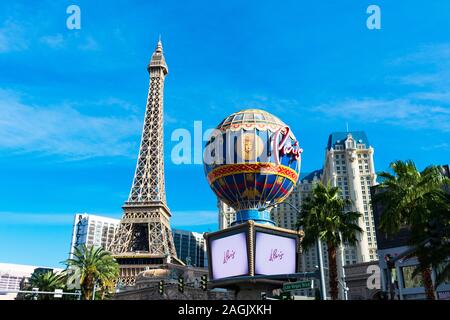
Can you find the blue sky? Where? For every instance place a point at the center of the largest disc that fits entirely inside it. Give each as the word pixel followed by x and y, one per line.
pixel 72 101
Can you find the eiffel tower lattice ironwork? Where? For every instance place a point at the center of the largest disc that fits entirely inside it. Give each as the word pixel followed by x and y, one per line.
pixel 144 237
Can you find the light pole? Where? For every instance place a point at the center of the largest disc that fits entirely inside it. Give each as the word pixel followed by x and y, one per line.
pixel 323 289
pixel 341 257
pixel 95 287
pixel 343 284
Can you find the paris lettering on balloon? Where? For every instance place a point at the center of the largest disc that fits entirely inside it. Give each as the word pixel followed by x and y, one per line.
pixel 275 255
pixel 289 150
pixel 228 255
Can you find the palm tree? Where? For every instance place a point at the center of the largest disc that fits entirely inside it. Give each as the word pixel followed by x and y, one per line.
pixel 47 281
pixel 323 218
pixel 95 266
pixel 417 201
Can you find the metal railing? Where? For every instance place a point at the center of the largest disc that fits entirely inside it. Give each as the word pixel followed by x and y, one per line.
pixel 56 293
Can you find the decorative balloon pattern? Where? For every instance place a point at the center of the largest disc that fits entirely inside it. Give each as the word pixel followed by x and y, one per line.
pixel 252 160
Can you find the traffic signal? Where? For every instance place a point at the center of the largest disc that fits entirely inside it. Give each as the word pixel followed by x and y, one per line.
pixel 285 296
pixel 389 261
pixel 181 284
pixel 204 282
pixel 161 287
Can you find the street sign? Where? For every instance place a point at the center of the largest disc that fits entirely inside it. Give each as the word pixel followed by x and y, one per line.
pixel 290 286
pixel 58 293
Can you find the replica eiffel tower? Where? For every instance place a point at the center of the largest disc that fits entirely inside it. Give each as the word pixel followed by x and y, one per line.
pixel 144 238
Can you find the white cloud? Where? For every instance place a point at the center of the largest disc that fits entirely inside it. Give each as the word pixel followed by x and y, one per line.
pixel 403 112
pixel 89 45
pixel 441 97
pixel 435 57
pixel 440 146
pixel 53 41
pixel 428 108
pixel 62 130
pixel 169 119
pixel 12 37
pixel 430 53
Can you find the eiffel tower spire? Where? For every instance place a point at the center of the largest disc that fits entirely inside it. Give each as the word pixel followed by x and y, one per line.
pixel 144 237
pixel 148 183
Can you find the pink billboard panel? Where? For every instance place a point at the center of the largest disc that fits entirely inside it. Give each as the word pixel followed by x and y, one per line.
pixel 274 254
pixel 229 256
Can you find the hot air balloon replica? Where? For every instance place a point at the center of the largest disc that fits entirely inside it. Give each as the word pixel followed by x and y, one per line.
pixel 252 162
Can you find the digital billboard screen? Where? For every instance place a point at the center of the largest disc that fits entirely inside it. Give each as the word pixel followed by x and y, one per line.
pixel 229 256
pixel 275 254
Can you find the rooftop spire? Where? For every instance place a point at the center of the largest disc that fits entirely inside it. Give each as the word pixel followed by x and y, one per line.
pixel 159 47
pixel 158 59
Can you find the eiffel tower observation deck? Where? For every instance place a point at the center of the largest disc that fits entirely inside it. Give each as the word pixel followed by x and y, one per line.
pixel 144 238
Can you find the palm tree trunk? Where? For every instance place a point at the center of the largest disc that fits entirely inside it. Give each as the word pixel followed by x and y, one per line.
pixel 88 287
pixel 428 284
pixel 332 265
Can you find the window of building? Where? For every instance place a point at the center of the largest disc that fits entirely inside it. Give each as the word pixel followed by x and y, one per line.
pixel 408 280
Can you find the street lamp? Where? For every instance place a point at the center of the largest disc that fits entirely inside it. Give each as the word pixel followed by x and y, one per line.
pixel 323 289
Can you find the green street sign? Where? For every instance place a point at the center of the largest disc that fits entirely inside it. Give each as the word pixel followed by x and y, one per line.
pixel 290 286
